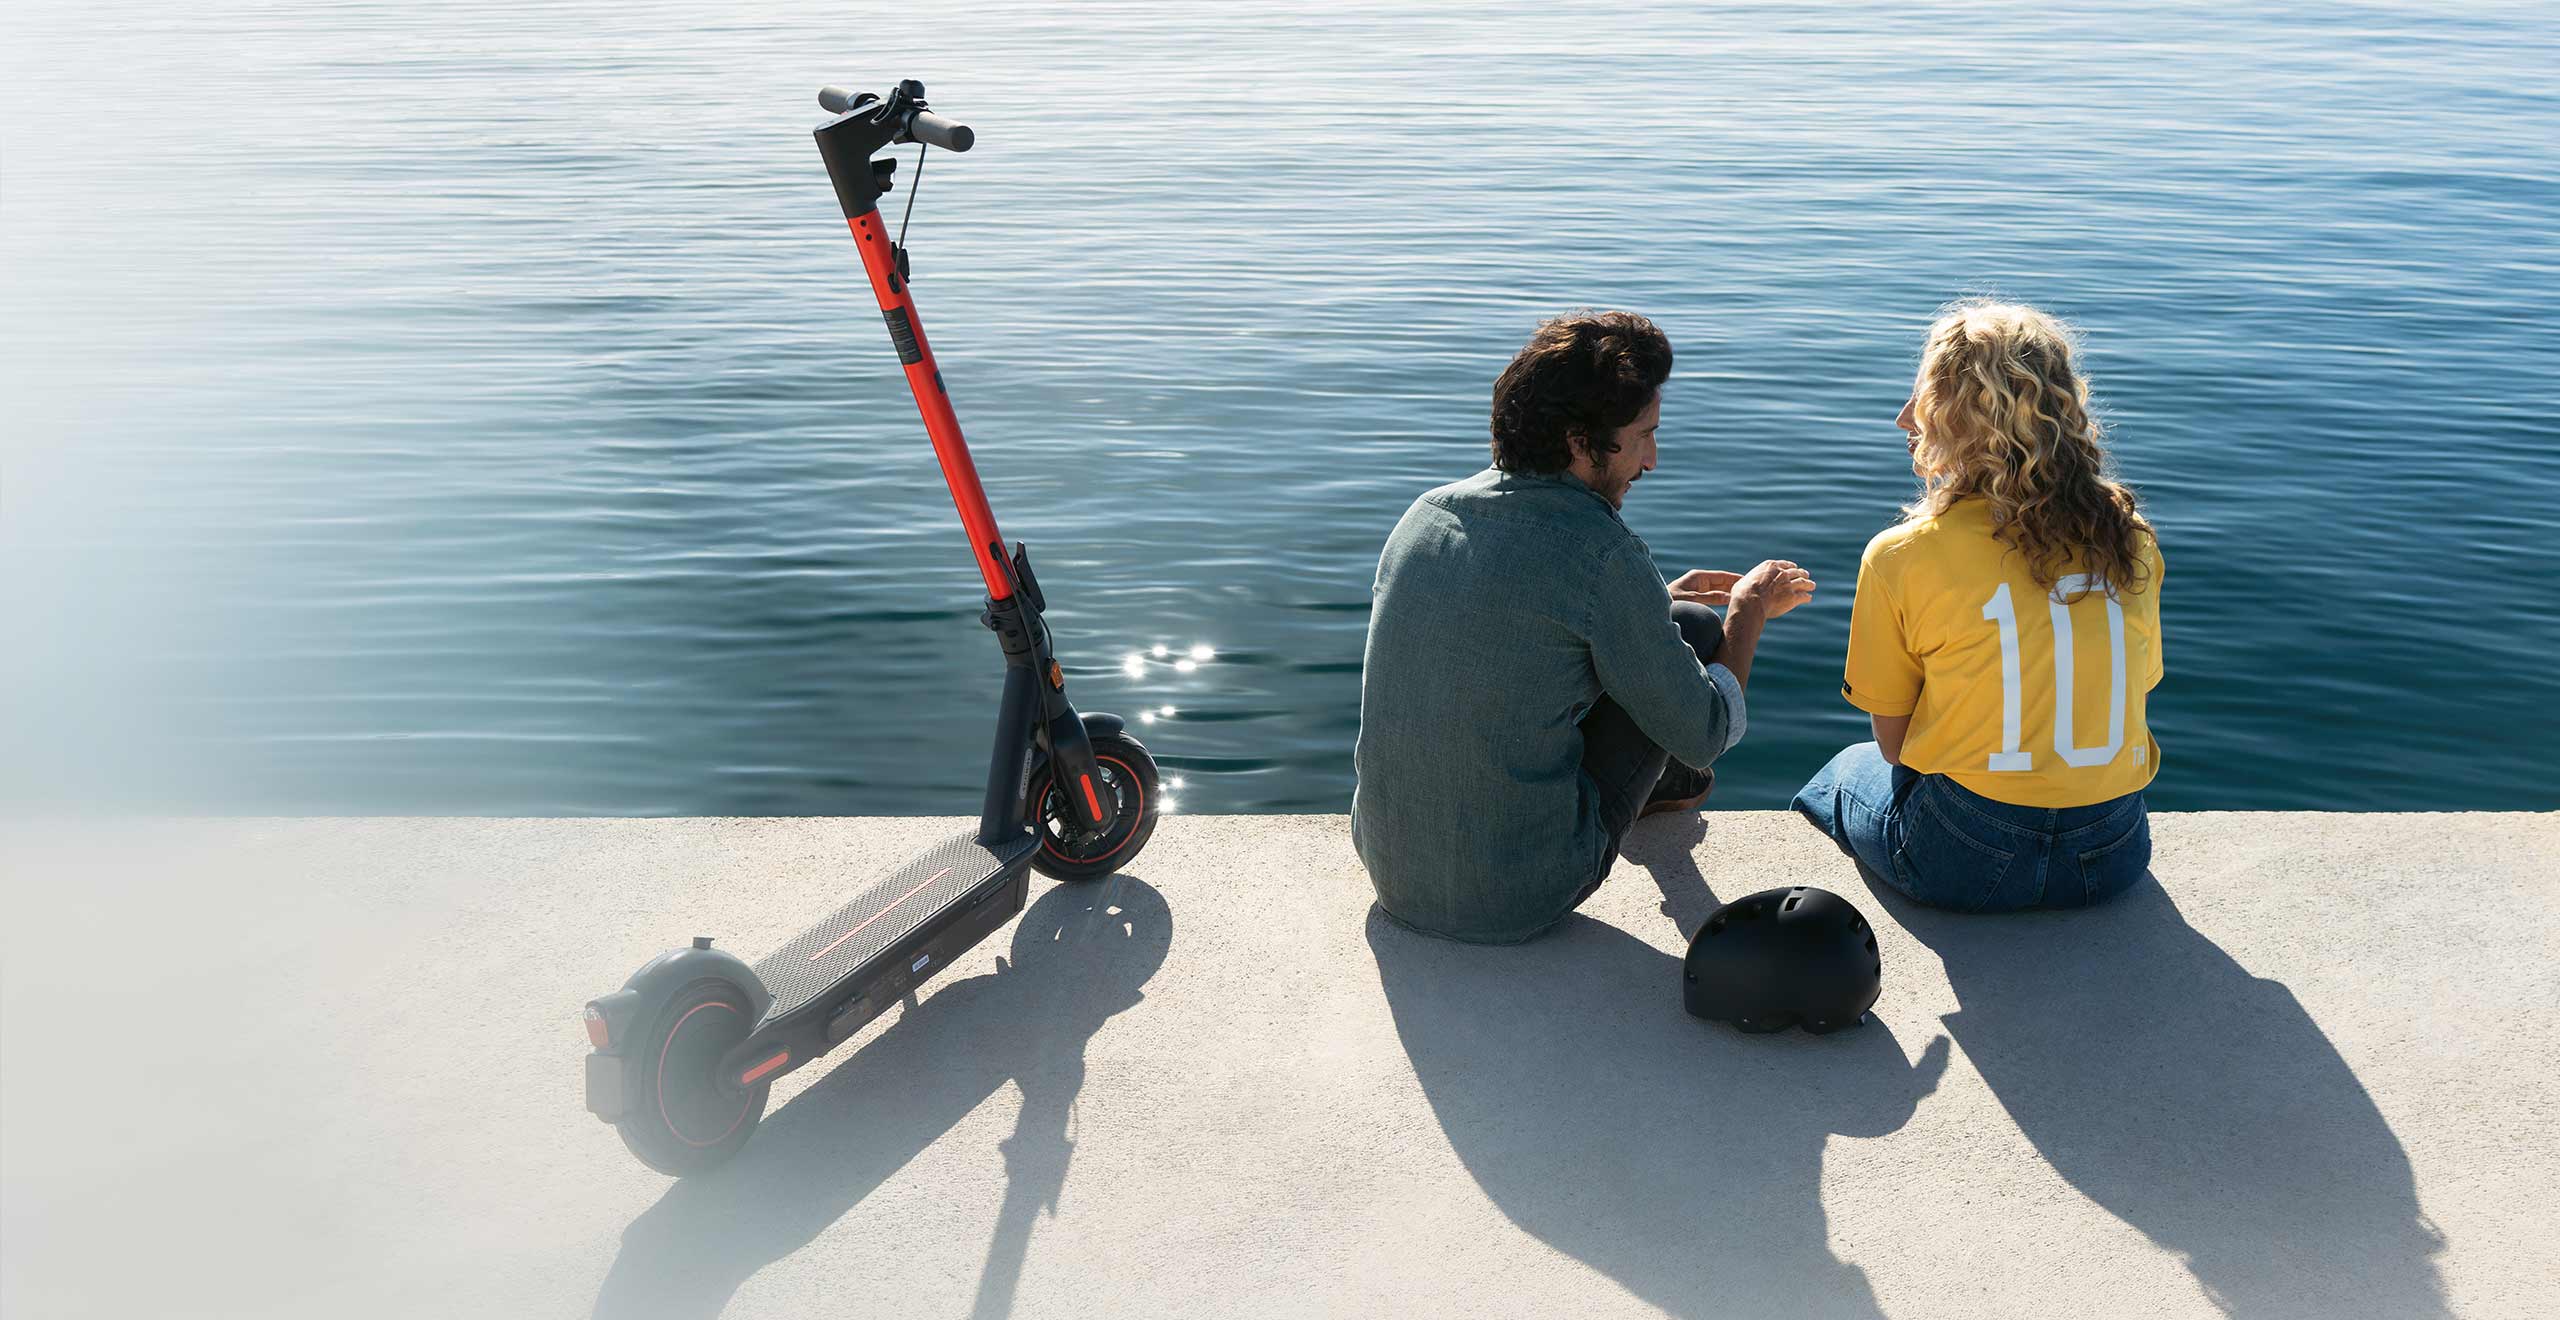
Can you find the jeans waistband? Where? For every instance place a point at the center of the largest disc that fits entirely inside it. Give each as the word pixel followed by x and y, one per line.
pixel 2038 820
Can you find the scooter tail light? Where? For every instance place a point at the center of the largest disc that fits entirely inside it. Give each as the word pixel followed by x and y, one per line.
pixel 599 1032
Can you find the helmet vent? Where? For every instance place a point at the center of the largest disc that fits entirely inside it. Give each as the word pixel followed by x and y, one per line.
pixel 1790 904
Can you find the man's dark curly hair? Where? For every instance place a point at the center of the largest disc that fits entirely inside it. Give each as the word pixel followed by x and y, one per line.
pixel 1583 374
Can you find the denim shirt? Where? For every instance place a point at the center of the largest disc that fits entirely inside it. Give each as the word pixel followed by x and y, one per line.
pixel 1505 606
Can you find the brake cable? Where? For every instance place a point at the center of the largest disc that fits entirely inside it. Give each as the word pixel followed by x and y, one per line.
pixel 915 183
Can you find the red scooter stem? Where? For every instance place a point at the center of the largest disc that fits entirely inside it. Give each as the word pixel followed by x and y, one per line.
pixel 924 380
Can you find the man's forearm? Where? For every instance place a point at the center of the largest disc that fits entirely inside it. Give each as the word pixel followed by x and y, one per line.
pixel 1742 620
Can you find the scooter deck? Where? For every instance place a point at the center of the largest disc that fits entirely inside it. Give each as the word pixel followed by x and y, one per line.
pixel 824 957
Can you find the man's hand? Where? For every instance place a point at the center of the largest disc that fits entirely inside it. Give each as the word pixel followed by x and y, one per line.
pixel 1756 597
pixel 1771 589
pixel 1704 586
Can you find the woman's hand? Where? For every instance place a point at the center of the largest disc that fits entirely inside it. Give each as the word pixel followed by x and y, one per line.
pixel 1704 586
pixel 1773 588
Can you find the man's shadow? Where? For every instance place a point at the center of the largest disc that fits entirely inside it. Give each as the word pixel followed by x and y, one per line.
pixel 1679 1157
pixel 1080 954
pixel 2196 1102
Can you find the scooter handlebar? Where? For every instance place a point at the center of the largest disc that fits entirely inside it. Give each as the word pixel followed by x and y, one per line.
pixel 921 126
pixel 926 126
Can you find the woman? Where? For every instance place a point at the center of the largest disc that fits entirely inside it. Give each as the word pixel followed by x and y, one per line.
pixel 2003 640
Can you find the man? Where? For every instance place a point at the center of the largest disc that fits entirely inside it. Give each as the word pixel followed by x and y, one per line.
pixel 1531 686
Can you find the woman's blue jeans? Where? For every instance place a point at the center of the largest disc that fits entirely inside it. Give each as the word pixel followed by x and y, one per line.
pixel 1944 845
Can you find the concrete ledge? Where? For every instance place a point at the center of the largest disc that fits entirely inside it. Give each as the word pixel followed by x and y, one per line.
pixel 331 1068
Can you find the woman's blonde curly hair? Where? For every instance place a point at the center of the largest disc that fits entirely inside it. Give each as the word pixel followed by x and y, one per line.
pixel 2003 415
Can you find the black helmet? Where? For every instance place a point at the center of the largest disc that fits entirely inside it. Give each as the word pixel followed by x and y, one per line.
pixel 1780 957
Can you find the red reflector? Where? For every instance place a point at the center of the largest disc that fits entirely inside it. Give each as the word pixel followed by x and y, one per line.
pixel 1089 799
pixel 596 1026
pixel 748 1078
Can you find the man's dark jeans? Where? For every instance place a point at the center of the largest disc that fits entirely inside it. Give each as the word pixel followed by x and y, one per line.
pixel 1625 764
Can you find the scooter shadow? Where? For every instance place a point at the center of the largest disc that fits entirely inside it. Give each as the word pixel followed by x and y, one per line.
pixel 2195 1101
pixel 1079 955
pixel 1678 1157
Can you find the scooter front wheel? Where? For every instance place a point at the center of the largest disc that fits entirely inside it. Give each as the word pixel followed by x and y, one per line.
pixel 680 1121
pixel 1128 776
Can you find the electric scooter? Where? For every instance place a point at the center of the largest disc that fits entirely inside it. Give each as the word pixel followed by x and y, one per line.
pixel 686 1052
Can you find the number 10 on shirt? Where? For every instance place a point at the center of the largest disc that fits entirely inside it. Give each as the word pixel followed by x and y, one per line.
pixel 1999 610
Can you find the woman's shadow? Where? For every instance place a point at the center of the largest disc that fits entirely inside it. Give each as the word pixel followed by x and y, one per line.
pixel 2196 1102
pixel 1080 954
pixel 1680 1158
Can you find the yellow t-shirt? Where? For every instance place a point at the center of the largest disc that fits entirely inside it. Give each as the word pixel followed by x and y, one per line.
pixel 1950 629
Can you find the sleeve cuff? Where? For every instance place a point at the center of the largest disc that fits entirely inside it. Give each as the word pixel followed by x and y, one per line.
pixel 1873 706
pixel 1737 716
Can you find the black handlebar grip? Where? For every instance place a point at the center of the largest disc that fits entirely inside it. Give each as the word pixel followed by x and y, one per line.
pixel 928 127
pixel 836 100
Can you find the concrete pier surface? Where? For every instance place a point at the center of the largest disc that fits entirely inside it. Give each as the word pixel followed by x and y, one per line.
pixel 332 1068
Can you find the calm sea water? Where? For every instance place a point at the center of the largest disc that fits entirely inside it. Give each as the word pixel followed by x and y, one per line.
pixel 478 408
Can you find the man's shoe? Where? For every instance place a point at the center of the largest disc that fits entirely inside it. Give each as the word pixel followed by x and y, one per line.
pixel 1679 789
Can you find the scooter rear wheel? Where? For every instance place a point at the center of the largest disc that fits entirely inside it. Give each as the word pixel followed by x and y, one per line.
pixel 1128 775
pixel 679 1121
